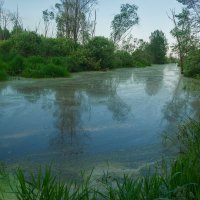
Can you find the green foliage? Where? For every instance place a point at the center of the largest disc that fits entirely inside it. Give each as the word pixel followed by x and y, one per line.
pixel 141 58
pixel 124 21
pixel 4 34
pixel 5 47
pixel 183 34
pixel 192 64
pixel 26 43
pixel 16 66
pixel 57 47
pixel 45 186
pixel 73 19
pixel 31 55
pixel 194 9
pixel 101 50
pixel 123 59
pixel 45 71
pixel 3 75
pixel 158 47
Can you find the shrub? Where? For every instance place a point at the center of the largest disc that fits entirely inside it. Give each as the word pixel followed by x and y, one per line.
pixel 57 47
pixel 36 60
pixel 27 43
pixel 192 64
pixel 101 50
pixel 51 70
pixel 16 66
pixel 5 46
pixel 123 59
pixel 82 61
pixel 141 58
pixel 3 75
pixel 45 71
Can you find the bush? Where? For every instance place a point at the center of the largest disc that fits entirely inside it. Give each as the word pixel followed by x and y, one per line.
pixel 5 46
pixel 101 50
pixel 26 43
pixel 45 71
pixel 123 59
pixel 36 60
pixel 192 64
pixel 82 61
pixel 141 58
pixel 16 66
pixel 51 70
pixel 57 47
pixel 3 75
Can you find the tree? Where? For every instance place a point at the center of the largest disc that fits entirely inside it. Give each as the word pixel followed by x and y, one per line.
pixel 194 7
pixel 158 47
pixel 141 54
pixel 183 33
pixel 101 50
pixel 186 30
pixel 5 19
pixel 73 18
pixel 124 21
pixel 47 16
pixel 27 43
pixel 17 23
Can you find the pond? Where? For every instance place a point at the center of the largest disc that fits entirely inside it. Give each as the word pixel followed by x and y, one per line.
pixel 113 119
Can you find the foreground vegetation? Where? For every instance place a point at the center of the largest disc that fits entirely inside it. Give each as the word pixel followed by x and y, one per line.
pixel 180 180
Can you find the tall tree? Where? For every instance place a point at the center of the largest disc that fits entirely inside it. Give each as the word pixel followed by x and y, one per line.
pixel 124 21
pixel 47 16
pixel 194 7
pixel 5 19
pixel 183 34
pixel 158 47
pixel 17 22
pixel 73 18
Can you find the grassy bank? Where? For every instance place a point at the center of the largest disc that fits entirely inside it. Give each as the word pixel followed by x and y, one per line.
pixel 180 180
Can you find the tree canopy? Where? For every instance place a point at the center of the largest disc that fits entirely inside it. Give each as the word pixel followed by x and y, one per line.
pixel 158 47
pixel 124 21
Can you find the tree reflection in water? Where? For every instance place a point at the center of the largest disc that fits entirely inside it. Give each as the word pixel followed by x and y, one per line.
pixel 152 79
pixel 185 103
pixel 72 103
pixel 93 112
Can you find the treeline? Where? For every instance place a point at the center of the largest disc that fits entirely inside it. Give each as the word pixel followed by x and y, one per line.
pixel 75 48
pixel 186 31
pixel 28 54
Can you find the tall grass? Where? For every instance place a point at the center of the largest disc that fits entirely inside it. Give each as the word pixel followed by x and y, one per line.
pixel 179 181
pixel 45 186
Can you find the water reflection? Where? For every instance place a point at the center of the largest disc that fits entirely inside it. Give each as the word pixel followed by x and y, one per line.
pixel 71 135
pixel 184 103
pixel 104 114
pixel 152 79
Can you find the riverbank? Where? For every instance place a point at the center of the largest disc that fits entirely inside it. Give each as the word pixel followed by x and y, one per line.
pixel 179 181
pixel 30 55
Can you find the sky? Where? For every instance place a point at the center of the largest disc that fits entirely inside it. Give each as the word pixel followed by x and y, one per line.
pixel 152 14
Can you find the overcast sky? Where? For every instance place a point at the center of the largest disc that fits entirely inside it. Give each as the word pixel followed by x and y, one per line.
pixel 152 13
